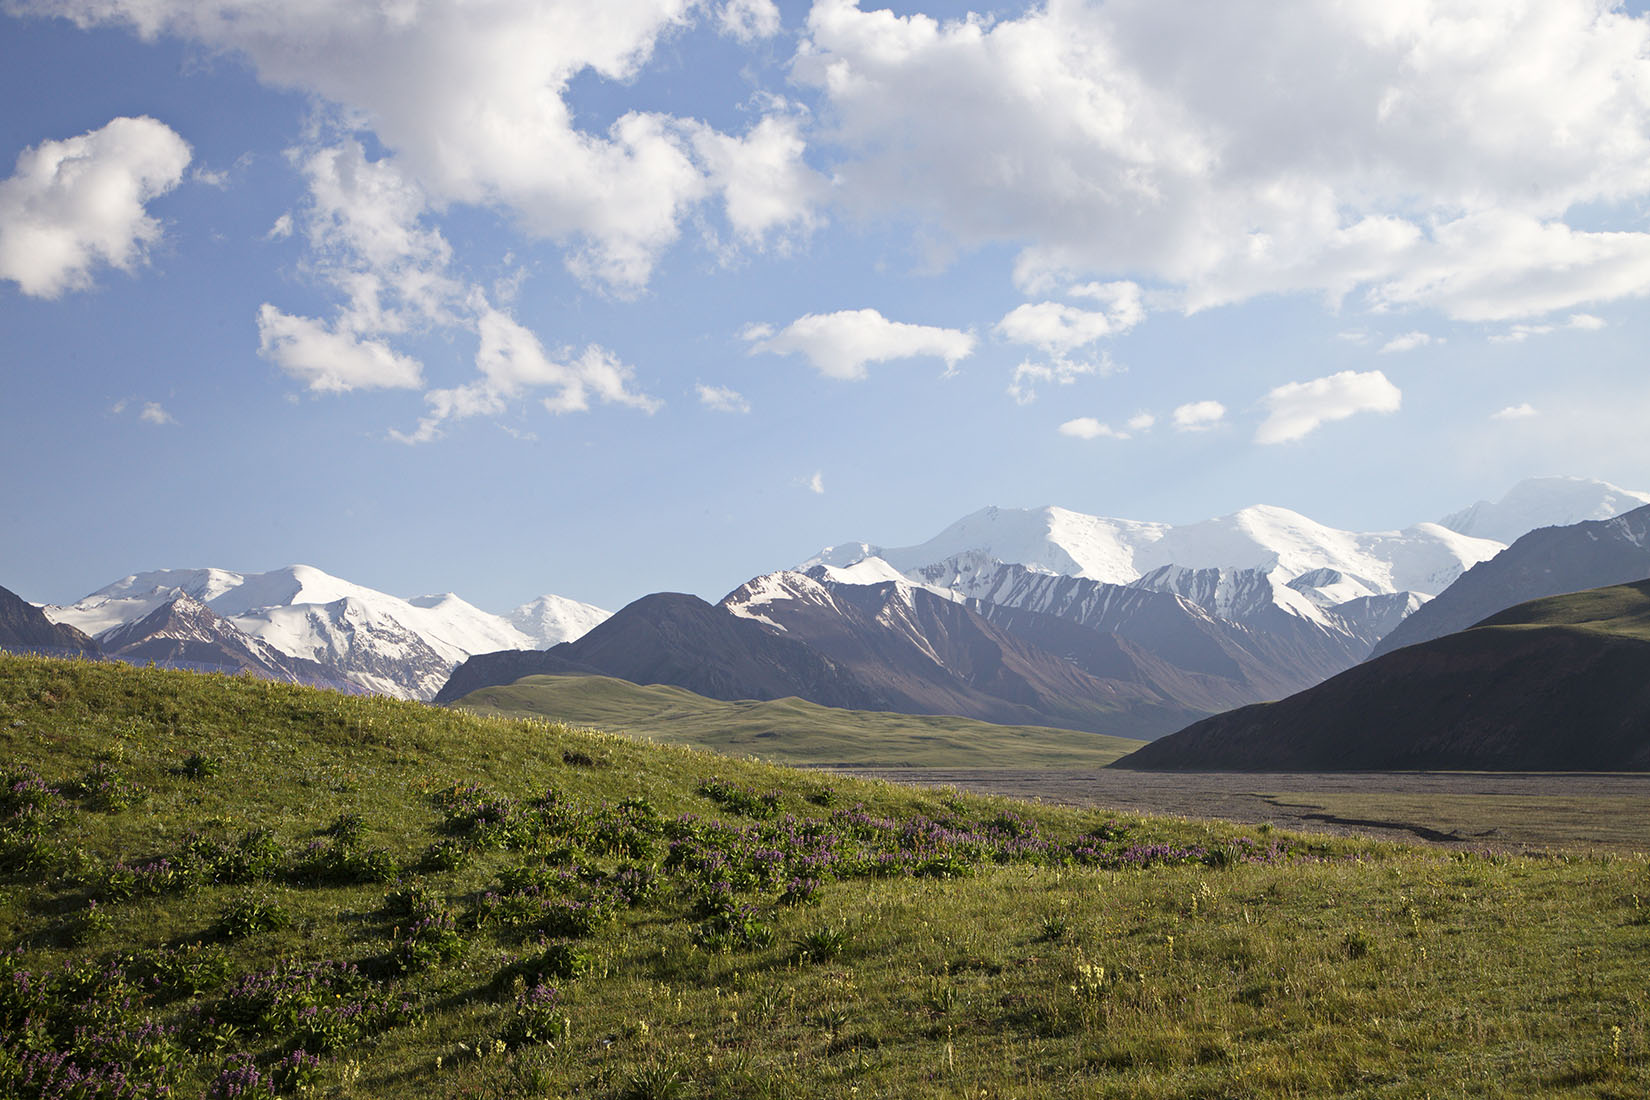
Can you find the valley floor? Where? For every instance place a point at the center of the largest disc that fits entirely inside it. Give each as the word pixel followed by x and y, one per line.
pixel 1502 811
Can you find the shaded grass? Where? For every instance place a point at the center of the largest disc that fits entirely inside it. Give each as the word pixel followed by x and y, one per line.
pixel 1334 967
pixel 793 731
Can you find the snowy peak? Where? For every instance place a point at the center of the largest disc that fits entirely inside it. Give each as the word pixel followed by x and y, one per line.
pixel 381 642
pixel 1544 502
pixel 551 620
pixel 1276 541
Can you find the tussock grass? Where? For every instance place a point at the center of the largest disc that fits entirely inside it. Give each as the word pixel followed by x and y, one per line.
pixel 367 898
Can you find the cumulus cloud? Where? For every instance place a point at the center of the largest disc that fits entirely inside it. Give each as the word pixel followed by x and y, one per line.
pixel 512 363
pixel 1515 412
pixel 1418 154
pixel 474 105
pixel 1087 427
pixel 332 361
pixel 1141 422
pixel 722 399
pixel 153 413
pixel 1409 341
pixel 816 483
pixel 1059 329
pixel 749 19
pixel 764 182
pixel 1296 409
pixel 1197 416
pixel 74 204
pixel 842 344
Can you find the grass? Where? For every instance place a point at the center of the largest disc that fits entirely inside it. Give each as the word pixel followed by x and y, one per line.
pixel 794 731
pixel 1621 610
pixel 370 898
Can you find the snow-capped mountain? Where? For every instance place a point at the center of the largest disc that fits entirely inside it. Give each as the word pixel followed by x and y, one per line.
pixel 1544 502
pixel 380 642
pixel 1274 541
pixel 551 620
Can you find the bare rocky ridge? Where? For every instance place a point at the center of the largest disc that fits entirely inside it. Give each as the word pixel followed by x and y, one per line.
pixel 1546 562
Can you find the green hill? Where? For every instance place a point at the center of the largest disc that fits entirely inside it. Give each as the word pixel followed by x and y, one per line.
pixel 794 731
pixel 226 887
pixel 1556 684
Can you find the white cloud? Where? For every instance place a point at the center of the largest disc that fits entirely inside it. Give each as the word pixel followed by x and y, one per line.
pixel 1423 154
pixel 1517 334
pixel 749 19
pixel 71 205
pixel 816 484
pixel 762 178
pixel 332 361
pixel 1058 371
pixel 840 345
pixel 1409 341
pixel 1198 416
pixel 722 399
pixel 1297 408
pixel 1059 329
pixel 1087 427
pixel 1141 422
pixel 512 362
pixel 153 413
pixel 281 230
pixel 473 103
pixel 1515 412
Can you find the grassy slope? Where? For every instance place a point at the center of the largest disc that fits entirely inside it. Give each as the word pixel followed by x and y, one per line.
pixel 793 731
pixel 1346 969
pixel 1621 610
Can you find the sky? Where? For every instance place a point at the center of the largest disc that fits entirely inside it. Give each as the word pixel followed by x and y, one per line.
pixel 606 297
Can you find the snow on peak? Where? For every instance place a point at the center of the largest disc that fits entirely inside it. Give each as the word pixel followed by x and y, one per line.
pixel 382 642
pixel 1544 502
pixel 551 620
pixel 1276 541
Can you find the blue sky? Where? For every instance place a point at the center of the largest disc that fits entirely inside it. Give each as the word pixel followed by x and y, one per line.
pixel 599 299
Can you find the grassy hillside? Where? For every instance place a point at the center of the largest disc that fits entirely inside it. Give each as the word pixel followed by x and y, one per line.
pixel 227 887
pixel 793 731
pixel 1621 610
pixel 1557 684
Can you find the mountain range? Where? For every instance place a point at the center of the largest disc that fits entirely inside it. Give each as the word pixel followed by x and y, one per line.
pixel 1041 616
pixel 1049 616
pixel 299 623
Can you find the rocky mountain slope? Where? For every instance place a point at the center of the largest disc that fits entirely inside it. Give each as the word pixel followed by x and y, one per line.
pixel 379 642
pixel 1559 684
pixel 25 629
pixel 1546 562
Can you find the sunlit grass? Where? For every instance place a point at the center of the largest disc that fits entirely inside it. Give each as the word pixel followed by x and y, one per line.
pixel 368 898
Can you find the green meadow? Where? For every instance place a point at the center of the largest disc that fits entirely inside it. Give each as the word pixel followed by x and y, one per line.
pixel 793 731
pixel 224 887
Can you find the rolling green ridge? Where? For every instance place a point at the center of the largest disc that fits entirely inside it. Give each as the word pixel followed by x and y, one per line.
pixel 215 886
pixel 1621 610
pixel 1556 684
pixel 793 731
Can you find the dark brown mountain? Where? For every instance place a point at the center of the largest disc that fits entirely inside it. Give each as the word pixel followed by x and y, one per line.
pixel 886 647
pixel 24 628
pixel 1545 562
pixel 1559 684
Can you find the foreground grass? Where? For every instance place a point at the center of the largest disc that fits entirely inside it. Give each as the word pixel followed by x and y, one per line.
pixel 246 886
pixel 794 732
